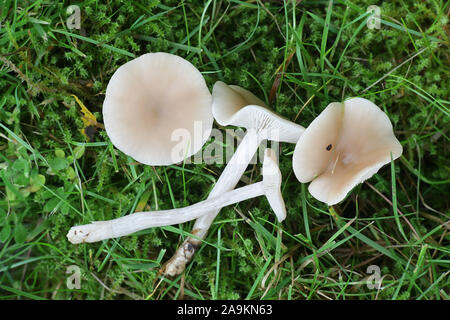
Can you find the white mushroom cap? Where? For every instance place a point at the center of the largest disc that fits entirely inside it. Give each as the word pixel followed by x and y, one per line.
pixel 233 105
pixel 344 146
pixel 151 97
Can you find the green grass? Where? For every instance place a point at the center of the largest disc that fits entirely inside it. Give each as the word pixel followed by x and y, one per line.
pixel 52 176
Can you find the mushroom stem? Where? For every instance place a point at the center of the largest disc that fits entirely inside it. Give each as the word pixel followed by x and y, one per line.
pixel 229 178
pixel 233 105
pixel 227 181
pixel 101 230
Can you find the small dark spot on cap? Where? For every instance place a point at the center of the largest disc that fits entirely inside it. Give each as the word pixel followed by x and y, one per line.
pixel 329 147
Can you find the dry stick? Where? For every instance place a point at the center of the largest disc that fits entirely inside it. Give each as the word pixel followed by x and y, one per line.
pixel 387 74
pixel 309 100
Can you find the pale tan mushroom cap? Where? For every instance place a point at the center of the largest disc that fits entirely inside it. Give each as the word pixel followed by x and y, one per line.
pixel 229 99
pixel 344 146
pixel 151 100
pixel 233 105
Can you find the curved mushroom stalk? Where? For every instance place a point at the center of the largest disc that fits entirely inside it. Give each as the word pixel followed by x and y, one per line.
pixel 233 105
pixel 269 186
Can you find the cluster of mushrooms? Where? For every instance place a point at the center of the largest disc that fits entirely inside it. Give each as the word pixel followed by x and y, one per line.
pixel 157 99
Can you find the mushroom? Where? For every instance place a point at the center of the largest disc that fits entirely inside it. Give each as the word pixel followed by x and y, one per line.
pixel 344 146
pixel 151 97
pixel 269 186
pixel 233 105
